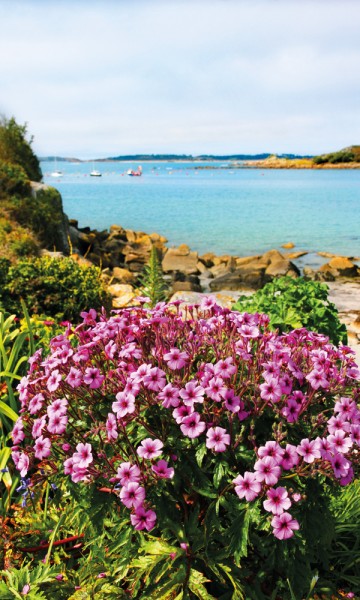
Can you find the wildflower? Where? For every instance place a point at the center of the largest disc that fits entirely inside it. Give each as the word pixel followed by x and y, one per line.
pixel 111 428
pixel 132 494
pixel 192 393
pixel 124 405
pixel 74 378
pixel 42 447
pixel 309 450
pixel 317 379
pixel 17 433
pixel 284 526
pixel 272 449
pixel 169 396
pixel 225 368
pixel 271 390
pixel 162 470
pixel 247 486
pixel 340 464
pixel 175 359
pixel 83 457
pixel 58 407
pixel 290 457
pixel 216 389
pixel 57 424
pixel 339 442
pixel 232 402
pixel 267 470
pixel 192 426
pixel 93 377
pixel 217 439
pixel 155 379
pixel 54 381
pixel 150 448
pixel 36 403
pixel 181 412
pixel 128 473
pixel 278 500
pixel 23 464
pixel 38 426
pixel 143 519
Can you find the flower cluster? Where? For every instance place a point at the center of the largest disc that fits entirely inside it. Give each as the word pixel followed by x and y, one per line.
pixel 123 400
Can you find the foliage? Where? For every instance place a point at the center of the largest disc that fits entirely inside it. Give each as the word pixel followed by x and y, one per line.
pixel 166 417
pixel 15 240
pixel 152 281
pixel 351 154
pixel 13 180
pixel 16 149
pixel 55 287
pixel 293 303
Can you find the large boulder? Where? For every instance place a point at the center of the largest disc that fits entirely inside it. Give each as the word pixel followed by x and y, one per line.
pixel 180 259
pixel 343 266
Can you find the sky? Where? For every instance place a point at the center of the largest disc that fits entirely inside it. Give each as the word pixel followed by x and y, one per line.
pixel 103 78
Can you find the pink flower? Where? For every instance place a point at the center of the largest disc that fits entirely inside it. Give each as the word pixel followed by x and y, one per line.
pixel 278 500
pixel 17 433
pixel 124 405
pixel 93 377
pixel 42 447
pixel 192 426
pixel 216 389
pixel 217 439
pixel 346 408
pixel 38 426
pixel 169 396
pixel 57 424
pixel 155 379
pixel 74 378
pixel 290 457
pixel 284 526
pixel 339 442
pixel 291 411
pixel 68 466
pixel 111 427
pixel 78 474
pixel 317 379
pixel 150 448
pixel 83 457
pixel 337 423
pixel 267 470
pixel 247 486
pixel 162 470
pixel 181 412
pixel 23 464
pixel 58 407
pixel 175 359
pixel 272 449
pixel 36 403
pixel 143 519
pixel 225 368
pixel 192 393
pixel 54 381
pixel 128 473
pixel 340 464
pixel 132 494
pixel 271 390
pixel 309 450
pixel 232 402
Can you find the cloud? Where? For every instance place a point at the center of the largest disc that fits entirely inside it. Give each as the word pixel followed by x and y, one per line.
pixel 101 78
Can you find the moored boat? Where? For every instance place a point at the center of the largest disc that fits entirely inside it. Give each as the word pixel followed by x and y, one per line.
pixel 136 173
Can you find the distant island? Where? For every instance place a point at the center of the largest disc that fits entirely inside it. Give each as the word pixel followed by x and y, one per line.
pixel 347 158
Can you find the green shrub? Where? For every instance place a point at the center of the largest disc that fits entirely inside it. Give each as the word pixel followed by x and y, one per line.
pixel 13 179
pixel 15 148
pixel 293 303
pixel 59 288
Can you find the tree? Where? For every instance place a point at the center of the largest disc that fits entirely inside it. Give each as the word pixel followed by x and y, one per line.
pixel 16 149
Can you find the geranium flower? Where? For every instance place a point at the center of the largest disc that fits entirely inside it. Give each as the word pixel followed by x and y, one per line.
pixel 150 448
pixel 132 494
pixel 192 426
pixel 176 359
pixel 278 500
pixel 267 470
pixel 42 447
pixel 217 439
pixel 162 470
pixel 247 486
pixel 128 473
pixel 83 456
pixel 143 519
pixel 284 526
pixel 309 450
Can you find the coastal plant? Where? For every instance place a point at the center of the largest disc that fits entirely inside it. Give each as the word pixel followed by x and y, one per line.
pixel 16 148
pixel 56 287
pixel 152 282
pixel 218 441
pixel 293 303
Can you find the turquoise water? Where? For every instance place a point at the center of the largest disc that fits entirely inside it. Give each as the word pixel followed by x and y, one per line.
pixel 239 212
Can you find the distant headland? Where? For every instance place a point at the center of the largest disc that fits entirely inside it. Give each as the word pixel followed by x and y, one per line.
pixel 347 158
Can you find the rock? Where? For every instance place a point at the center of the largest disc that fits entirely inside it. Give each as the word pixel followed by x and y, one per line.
pixel 130 235
pixel 118 289
pixel 125 299
pixel 81 260
pixel 186 286
pixel 123 275
pixel 225 298
pixel 53 231
pixel 326 273
pixel 282 267
pixel 208 259
pixel 309 273
pixel 178 261
pixel 239 279
pixel 244 260
pixel 201 267
pixel 272 256
pixel 220 270
pixel 183 250
pixel 51 254
pixel 288 245
pixel 295 255
pixel 343 266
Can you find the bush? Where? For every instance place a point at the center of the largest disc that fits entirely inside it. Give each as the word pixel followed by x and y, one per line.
pixel 13 180
pixel 16 149
pixel 58 288
pixel 293 303
pixel 205 428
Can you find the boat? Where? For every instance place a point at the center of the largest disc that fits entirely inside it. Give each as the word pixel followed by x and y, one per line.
pixel 56 172
pixel 136 173
pixel 95 173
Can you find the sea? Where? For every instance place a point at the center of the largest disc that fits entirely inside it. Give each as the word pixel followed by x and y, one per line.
pixel 214 207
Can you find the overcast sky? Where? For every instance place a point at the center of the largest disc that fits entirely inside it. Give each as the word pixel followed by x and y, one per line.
pixel 102 78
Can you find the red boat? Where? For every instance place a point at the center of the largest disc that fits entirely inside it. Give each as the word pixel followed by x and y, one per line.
pixel 136 173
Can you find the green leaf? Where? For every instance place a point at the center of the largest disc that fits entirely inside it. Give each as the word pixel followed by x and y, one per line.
pixel 200 453
pixel 196 581
pixel 7 411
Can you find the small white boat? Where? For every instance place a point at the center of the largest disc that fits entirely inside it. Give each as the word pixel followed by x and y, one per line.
pixel 56 172
pixel 95 173
pixel 136 173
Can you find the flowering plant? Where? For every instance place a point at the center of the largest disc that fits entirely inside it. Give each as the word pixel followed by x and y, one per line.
pixel 211 431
